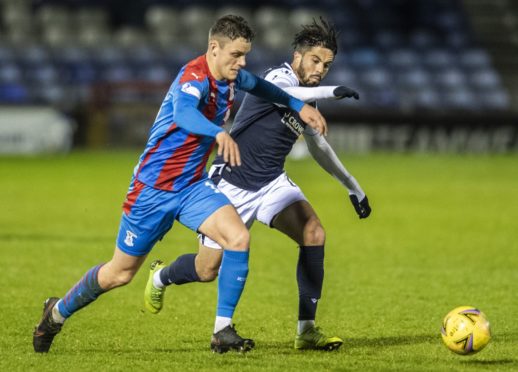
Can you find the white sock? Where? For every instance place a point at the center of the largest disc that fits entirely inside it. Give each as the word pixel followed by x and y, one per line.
pixel 304 325
pixel 221 322
pixel 56 315
pixel 156 280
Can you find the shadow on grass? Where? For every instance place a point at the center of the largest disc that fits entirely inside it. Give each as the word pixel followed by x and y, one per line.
pixel 53 237
pixel 474 363
pixel 390 341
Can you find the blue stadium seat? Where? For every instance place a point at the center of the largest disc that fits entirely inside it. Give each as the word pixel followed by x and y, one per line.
pixel 474 58
pixel 13 93
pixel 10 73
pixel 413 79
pixel 460 99
pixel 450 78
pixel 364 58
pixel 155 72
pixel 403 59
pixel 495 99
pixel 485 79
pixel 42 74
pixel 439 59
pixel 339 75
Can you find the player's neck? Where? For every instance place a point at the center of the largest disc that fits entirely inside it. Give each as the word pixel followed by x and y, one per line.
pixel 212 67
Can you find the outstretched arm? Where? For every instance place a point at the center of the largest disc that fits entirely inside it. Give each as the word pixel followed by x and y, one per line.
pixel 323 153
pixel 307 94
pixel 268 91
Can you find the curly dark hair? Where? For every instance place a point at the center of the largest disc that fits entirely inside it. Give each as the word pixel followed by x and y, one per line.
pixel 322 35
pixel 232 27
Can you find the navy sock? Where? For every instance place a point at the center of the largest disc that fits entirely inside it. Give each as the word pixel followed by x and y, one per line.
pixel 84 292
pixel 310 277
pixel 232 278
pixel 181 271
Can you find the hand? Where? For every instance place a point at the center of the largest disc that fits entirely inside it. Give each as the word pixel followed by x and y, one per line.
pixel 228 148
pixel 314 119
pixel 344 92
pixel 362 207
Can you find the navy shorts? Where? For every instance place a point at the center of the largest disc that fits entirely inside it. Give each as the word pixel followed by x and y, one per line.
pixel 149 213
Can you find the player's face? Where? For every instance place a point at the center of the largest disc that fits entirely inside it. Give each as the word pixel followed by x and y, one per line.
pixel 229 57
pixel 313 65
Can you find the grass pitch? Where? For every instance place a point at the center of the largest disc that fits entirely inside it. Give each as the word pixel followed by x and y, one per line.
pixel 443 233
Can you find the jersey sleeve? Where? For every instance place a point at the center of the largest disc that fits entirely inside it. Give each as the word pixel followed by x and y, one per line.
pixel 186 98
pixel 266 90
pixel 282 77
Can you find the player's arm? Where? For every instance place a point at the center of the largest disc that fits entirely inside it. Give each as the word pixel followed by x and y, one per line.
pixel 325 156
pixel 307 94
pixel 268 91
pixel 187 116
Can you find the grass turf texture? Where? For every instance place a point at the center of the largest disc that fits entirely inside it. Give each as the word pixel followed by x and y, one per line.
pixel 443 234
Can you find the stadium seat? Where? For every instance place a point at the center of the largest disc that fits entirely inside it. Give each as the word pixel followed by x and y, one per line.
pixel 156 73
pixel 42 74
pixel 438 58
pixel 13 93
pixel 10 73
pixel 339 75
pixel 474 58
pixel 403 59
pixel 196 19
pixel 242 11
pixel 485 79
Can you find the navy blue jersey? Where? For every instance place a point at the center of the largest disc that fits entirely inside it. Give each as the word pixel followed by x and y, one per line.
pixel 265 134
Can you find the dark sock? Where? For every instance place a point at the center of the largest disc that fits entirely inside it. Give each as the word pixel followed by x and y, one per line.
pixel 181 271
pixel 310 277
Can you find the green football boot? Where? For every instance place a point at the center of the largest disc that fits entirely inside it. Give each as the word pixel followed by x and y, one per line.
pixel 314 339
pixel 154 297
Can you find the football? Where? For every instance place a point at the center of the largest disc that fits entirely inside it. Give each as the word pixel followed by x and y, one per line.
pixel 465 330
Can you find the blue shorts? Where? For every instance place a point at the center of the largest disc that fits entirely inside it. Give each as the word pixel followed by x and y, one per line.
pixel 149 213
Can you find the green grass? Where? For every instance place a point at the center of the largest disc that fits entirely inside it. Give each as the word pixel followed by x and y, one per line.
pixel 443 233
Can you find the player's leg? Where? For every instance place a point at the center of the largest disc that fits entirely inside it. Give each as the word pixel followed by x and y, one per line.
pixel 301 224
pixel 187 268
pixel 200 267
pixel 147 217
pixel 226 228
pixel 208 211
pixel 286 209
pixel 98 280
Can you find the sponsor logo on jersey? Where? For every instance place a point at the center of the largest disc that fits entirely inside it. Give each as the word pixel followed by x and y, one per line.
pixel 292 123
pixel 190 89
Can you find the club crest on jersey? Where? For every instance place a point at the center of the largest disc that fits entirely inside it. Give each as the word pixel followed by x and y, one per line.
pixel 190 89
pixel 129 238
pixel 292 123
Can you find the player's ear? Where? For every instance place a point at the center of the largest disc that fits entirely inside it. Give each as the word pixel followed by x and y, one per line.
pixel 213 47
pixel 297 58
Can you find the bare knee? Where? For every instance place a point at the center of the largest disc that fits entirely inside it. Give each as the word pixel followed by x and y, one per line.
pixel 314 233
pixel 240 240
pixel 110 278
pixel 207 273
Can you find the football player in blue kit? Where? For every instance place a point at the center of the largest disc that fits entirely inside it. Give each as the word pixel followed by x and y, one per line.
pixel 261 190
pixel 170 183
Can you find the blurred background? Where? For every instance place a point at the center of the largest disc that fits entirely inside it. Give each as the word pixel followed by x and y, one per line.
pixel 433 75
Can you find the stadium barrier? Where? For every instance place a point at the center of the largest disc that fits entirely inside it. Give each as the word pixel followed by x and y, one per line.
pixel 33 130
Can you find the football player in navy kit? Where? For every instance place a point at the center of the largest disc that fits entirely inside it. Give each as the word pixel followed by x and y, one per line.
pixel 260 188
